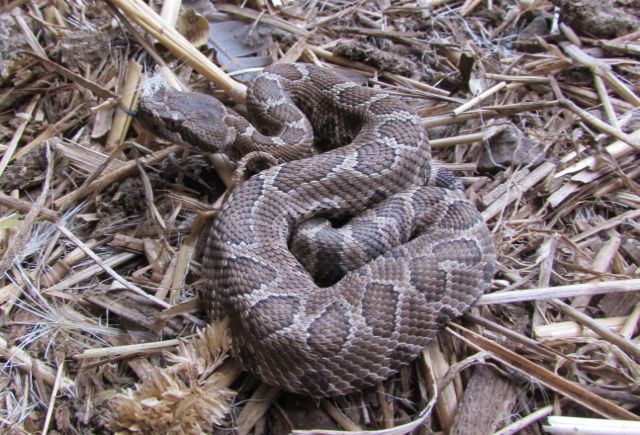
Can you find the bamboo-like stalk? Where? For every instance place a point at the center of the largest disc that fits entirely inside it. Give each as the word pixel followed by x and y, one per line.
pixel 480 136
pixel 601 69
pixel 128 100
pixel 25 206
pixel 52 400
pixel 128 349
pixel 540 173
pixel 525 421
pixel 184 256
pixel 447 402
pixel 622 342
pixel 606 102
pixel 602 264
pixel 609 223
pixel 600 125
pixel 590 426
pixel 170 12
pixel 564 291
pixel 15 140
pixel 487 112
pixel 630 326
pixel 254 16
pixel 179 46
pixel 257 406
pixel 52 130
pixel 31 39
pixel 616 150
pixel 339 417
pixel 519 79
pixel 89 252
pixel 23 361
pixel 527 368
pixel 111 177
pixel 571 329
pixel 85 273
pixel 477 100
pixel 64 265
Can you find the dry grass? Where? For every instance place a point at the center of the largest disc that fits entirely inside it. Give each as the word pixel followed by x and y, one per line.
pixel 99 219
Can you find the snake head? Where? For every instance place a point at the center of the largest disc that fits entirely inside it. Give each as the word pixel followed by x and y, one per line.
pixel 189 118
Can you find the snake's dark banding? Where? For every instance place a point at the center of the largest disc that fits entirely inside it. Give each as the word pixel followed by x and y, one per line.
pixel 413 250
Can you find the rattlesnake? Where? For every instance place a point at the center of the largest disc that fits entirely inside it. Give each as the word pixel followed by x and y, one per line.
pixel 417 253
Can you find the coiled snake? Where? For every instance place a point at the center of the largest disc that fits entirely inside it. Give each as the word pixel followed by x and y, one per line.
pixel 413 250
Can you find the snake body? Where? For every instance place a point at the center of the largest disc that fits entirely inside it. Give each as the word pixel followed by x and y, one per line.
pixel 400 252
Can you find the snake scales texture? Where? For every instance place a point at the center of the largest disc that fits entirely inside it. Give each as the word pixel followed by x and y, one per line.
pixel 386 248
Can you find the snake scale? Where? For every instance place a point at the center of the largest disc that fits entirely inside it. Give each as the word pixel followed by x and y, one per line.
pixel 386 248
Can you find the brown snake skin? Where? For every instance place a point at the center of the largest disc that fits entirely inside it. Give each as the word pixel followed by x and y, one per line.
pixel 414 251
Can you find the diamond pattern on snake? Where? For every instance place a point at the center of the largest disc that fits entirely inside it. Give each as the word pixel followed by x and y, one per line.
pixel 336 265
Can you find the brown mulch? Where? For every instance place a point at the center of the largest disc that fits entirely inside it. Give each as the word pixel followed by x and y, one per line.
pixel 534 104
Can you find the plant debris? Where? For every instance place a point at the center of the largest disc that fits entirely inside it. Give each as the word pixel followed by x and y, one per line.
pixel 534 104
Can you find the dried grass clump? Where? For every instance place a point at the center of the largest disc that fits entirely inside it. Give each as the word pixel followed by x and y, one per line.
pixel 184 398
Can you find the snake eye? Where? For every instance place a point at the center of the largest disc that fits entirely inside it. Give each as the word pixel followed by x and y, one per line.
pixel 173 120
pixel 173 124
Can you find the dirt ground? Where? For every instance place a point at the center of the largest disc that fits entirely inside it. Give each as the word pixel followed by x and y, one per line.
pixel 532 103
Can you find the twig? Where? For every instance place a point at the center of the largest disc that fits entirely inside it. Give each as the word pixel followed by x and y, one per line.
pixel 529 369
pixel 616 150
pixel 24 362
pixel 564 291
pixel 480 136
pixel 483 96
pixel 518 190
pixel 623 343
pixel 126 170
pixel 65 72
pixel 22 236
pixel 258 405
pixel 52 399
pixel 562 425
pixel 250 14
pixel 127 350
pixel 339 417
pixel 601 69
pixel 525 421
pixel 487 112
pixel 134 288
pixel 603 126
pixel 128 100
pixel 15 140
pixel 25 207
pixel 610 223
pixel 180 47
